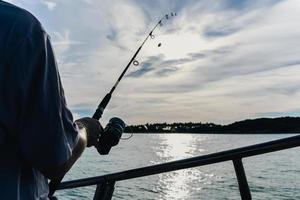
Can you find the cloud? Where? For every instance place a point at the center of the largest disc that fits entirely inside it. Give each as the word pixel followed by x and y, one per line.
pixel 219 61
pixel 50 4
pixel 161 67
pixel 147 66
pixel 62 41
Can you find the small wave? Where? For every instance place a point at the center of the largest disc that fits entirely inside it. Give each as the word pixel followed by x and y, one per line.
pixel 147 190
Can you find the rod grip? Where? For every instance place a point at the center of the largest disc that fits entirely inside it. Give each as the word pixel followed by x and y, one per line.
pixel 99 111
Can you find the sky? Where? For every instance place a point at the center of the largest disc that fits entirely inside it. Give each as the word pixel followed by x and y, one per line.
pixel 220 61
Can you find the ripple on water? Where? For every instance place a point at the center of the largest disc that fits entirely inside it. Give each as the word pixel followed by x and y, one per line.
pixel 272 176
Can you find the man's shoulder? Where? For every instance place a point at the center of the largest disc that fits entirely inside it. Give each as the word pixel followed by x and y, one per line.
pixel 18 18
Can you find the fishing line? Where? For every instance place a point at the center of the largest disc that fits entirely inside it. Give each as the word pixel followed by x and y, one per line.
pixel 101 107
pixel 131 134
pixel 127 138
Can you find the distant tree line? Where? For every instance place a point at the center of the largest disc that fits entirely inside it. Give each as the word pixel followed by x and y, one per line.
pixel 261 125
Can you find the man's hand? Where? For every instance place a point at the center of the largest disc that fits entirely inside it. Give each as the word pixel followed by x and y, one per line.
pixel 93 129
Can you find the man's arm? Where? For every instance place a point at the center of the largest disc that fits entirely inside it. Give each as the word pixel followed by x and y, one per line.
pixel 59 171
pixel 89 130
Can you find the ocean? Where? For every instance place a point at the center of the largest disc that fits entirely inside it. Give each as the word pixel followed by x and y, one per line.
pixel 270 176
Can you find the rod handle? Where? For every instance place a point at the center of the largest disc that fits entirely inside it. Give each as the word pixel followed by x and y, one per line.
pixel 99 111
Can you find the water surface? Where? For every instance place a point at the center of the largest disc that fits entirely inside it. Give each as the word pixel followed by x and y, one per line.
pixel 271 176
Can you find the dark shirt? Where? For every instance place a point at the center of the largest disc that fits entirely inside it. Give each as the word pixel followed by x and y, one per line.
pixel 36 128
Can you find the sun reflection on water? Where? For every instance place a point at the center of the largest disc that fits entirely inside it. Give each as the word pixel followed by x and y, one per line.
pixel 179 184
pixel 178 147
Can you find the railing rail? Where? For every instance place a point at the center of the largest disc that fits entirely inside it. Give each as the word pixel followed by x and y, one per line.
pixel 105 183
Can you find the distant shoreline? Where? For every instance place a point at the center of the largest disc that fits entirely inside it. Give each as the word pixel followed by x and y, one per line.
pixel 280 125
pixel 216 133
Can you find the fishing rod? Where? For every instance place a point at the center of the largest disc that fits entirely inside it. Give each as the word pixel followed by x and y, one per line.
pixel 114 129
pixel 101 107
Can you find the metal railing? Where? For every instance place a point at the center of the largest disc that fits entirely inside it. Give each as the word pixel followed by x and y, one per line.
pixel 105 184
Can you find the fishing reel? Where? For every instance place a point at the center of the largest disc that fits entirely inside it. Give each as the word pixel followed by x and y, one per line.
pixel 111 135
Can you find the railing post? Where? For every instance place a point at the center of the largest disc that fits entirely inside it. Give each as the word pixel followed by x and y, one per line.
pixel 242 179
pixel 104 191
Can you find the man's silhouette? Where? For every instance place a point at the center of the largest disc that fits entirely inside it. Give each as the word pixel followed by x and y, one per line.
pixel 38 139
